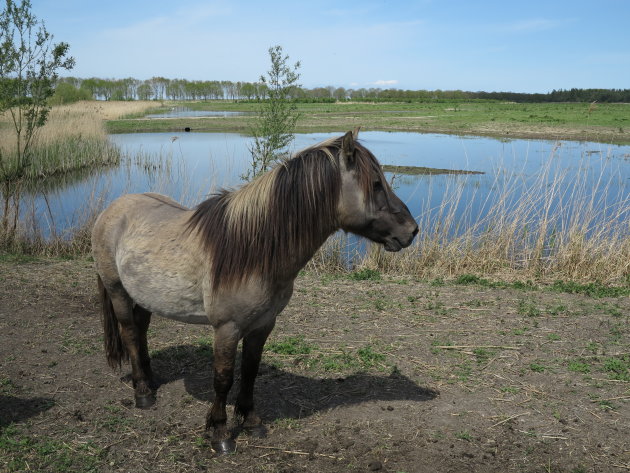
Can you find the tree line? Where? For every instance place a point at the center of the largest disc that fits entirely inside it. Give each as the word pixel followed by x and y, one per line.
pixel 160 88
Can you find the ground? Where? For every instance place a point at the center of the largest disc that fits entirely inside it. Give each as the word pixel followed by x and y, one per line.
pixel 362 373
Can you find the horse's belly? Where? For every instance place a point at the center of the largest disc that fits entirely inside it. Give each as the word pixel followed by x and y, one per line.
pixel 187 318
pixel 174 305
pixel 169 295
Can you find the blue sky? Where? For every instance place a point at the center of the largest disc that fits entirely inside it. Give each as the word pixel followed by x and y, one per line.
pixel 523 46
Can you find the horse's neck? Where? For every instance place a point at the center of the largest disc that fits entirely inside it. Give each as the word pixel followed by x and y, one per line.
pixel 300 255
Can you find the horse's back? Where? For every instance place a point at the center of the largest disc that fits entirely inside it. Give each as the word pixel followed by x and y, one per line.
pixel 149 212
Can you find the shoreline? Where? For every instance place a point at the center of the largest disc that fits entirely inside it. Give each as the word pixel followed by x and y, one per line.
pixel 312 124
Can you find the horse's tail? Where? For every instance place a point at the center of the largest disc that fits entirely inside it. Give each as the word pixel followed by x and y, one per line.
pixel 115 350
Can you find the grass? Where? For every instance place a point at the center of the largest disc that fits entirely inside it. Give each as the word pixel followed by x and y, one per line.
pixel 592 289
pixel 618 368
pixel 20 451
pixel 314 357
pixel 290 346
pixel 537 367
pixel 609 123
pixel 420 170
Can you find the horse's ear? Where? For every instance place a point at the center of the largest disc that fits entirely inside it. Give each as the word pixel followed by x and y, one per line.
pixel 347 147
pixel 355 133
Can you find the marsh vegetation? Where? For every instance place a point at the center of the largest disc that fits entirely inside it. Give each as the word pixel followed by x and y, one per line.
pixel 540 223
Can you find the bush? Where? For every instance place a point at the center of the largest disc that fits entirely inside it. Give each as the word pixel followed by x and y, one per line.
pixel 67 93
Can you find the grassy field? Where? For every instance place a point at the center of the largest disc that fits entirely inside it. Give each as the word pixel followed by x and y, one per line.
pixel 609 123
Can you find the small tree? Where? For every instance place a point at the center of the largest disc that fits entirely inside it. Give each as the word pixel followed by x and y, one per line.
pixel 29 62
pixel 277 116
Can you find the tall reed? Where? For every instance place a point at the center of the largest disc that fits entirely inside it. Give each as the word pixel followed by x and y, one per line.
pixel 557 226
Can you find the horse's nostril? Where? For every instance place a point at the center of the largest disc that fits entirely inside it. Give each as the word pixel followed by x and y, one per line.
pixel 415 232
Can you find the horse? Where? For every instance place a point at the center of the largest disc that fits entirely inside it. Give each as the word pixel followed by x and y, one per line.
pixel 231 262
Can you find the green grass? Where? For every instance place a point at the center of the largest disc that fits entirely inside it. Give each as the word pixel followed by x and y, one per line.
pixel 470 279
pixel 421 170
pixel 313 357
pixel 369 357
pixel 464 435
pixel 290 346
pixel 618 367
pixel 482 354
pixel 344 360
pixel 527 308
pixel 579 366
pixel 537 367
pixel 593 289
pixel 19 451
pixel 608 122
pixel 17 258
pixel 6 385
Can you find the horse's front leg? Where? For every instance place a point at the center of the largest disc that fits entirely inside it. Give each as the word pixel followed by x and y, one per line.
pixel 226 339
pixel 253 344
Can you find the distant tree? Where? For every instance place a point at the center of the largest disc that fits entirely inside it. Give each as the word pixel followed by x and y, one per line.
pixel 248 90
pixel 144 91
pixel 340 93
pixel 277 116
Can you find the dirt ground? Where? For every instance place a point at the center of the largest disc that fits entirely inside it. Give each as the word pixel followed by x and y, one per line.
pixel 391 375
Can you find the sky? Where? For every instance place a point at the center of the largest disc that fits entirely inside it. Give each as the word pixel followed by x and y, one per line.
pixel 519 46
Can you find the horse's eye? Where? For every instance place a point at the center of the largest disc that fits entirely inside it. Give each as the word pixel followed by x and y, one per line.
pixel 377 186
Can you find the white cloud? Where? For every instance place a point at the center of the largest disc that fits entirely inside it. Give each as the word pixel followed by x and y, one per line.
pixel 380 83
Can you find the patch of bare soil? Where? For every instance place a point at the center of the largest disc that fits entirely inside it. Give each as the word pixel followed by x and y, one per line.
pixel 393 375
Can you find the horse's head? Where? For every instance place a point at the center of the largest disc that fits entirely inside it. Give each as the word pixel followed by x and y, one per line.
pixel 367 205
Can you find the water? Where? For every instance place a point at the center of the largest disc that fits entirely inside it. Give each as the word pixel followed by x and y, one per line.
pixel 193 165
pixel 185 112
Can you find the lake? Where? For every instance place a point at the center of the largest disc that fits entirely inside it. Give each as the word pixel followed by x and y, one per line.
pixel 190 166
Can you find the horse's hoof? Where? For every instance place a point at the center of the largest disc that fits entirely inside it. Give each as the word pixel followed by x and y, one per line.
pixel 144 402
pixel 223 447
pixel 256 431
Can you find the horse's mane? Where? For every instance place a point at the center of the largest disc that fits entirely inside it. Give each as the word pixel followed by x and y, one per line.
pixel 288 211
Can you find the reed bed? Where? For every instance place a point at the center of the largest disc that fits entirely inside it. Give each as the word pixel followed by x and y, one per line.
pixel 74 137
pixel 554 228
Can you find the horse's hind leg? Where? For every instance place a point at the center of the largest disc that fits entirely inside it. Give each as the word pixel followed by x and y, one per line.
pixel 142 319
pixel 133 329
pixel 253 344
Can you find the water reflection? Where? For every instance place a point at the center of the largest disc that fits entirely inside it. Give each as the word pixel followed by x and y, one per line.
pixel 189 167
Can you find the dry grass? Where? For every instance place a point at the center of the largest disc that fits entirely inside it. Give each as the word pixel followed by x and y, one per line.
pixel 553 228
pixel 78 120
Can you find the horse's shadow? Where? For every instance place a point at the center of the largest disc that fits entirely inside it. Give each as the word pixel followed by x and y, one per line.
pixel 15 409
pixel 281 394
